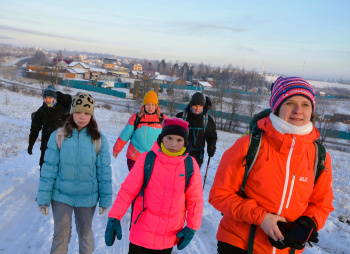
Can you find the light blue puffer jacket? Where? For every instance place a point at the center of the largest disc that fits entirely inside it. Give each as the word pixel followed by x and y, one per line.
pixel 73 175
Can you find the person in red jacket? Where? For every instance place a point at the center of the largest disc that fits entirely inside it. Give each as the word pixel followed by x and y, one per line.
pixel 159 216
pixel 281 185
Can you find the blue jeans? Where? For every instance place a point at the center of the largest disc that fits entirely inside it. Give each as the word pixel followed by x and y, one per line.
pixel 62 216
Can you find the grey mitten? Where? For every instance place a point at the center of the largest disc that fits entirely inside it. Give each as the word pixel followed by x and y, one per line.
pixel 44 209
pixel 102 210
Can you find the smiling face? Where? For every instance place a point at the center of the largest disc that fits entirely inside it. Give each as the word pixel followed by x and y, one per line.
pixel 81 119
pixel 296 110
pixel 150 108
pixel 173 143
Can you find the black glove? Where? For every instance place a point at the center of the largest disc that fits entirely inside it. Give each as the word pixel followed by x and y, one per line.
pixel 30 150
pixel 211 150
pixel 306 221
pixel 286 242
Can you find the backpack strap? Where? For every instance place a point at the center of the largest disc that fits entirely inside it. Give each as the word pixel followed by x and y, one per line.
pixel 320 159
pixel 205 121
pixel 59 138
pixel 136 123
pixel 188 170
pixel 97 143
pixel 250 158
pixel 147 171
pixel 184 115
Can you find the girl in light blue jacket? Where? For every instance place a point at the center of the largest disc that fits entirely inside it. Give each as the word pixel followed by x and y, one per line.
pixel 75 176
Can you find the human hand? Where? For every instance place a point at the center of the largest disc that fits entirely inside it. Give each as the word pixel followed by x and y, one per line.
pixel 115 155
pixel 185 235
pixel 287 242
pixel 269 225
pixel 306 221
pixel 211 151
pixel 113 229
pixel 102 210
pixel 30 150
pixel 44 209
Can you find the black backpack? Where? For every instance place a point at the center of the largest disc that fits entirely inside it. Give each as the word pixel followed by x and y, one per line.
pixel 252 154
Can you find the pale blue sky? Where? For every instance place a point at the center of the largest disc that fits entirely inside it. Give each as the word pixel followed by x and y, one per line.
pixel 283 34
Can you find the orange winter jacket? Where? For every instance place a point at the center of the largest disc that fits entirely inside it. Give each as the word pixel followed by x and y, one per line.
pixel 281 182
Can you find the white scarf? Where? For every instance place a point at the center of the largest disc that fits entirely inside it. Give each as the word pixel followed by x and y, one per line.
pixel 284 127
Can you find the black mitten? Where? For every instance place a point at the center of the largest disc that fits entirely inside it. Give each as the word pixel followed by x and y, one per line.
pixel 306 221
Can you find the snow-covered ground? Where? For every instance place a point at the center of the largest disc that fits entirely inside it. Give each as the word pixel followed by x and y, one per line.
pixel 24 230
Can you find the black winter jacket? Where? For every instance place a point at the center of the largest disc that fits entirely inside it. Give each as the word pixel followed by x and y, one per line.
pixel 49 119
pixel 200 136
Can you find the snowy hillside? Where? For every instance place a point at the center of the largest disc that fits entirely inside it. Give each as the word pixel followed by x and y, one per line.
pixel 24 230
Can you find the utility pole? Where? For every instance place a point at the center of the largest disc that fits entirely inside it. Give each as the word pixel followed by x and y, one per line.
pixel 243 62
pixel 263 67
pixel 302 74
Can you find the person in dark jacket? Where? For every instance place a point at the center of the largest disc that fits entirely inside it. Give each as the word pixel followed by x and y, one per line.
pixel 196 115
pixel 49 117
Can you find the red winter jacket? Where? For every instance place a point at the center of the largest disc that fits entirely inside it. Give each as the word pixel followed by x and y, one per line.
pixel 166 202
pixel 281 182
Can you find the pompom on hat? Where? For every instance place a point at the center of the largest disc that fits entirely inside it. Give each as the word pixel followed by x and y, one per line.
pixel 284 88
pixel 50 91
pixel 83 102
pixel 150 97
pixel 174 126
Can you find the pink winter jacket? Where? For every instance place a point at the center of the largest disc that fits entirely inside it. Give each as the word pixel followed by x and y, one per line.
pixel 166 202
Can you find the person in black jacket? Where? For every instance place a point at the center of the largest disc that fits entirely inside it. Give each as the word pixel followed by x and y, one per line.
pixel 49 117
pixel 201 125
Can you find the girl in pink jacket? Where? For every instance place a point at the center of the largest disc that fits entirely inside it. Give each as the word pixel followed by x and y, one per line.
pixel 159 215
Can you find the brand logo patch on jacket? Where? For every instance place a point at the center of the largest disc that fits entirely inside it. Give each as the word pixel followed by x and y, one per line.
pixel 303 179
pixel 182 174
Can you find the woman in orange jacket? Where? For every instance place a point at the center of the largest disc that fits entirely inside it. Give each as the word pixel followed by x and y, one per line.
pixel 281 185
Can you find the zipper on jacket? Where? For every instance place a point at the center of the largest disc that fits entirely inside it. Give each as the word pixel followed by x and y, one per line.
pixel 287 177
pixel 290 191
pixel 77 169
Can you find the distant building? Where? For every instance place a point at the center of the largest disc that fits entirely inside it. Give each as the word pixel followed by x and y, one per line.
pixel 137 67
pixel 109 63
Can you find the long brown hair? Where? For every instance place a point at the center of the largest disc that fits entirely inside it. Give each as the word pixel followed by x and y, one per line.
pixel 91 128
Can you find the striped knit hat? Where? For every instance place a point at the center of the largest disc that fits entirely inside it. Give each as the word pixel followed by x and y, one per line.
pixel 284 88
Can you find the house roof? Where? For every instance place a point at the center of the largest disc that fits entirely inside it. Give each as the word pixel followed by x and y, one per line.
pixel 165 78
pixel 204 84
pixel 98 70
pixel 77 71
pixel 72 64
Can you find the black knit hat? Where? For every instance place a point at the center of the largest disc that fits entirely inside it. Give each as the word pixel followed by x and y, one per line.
pixel 50 92
pixel 197 99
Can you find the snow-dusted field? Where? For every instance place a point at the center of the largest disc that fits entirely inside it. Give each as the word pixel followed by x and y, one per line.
pixel 23 229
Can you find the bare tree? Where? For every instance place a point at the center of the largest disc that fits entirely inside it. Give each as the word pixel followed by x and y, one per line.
pixel 324 122
pixel 253 102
